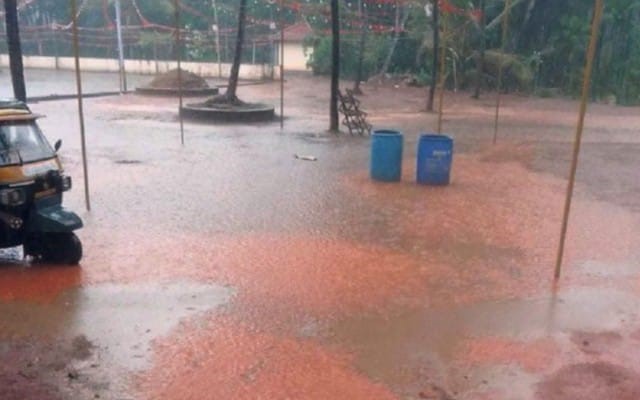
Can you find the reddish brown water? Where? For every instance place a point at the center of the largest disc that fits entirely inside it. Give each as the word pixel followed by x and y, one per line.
pixel 229 269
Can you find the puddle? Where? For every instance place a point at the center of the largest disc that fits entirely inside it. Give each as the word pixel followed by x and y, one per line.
pixel 424 342
pixel 591 381
pixel 120 320
pixel 606 270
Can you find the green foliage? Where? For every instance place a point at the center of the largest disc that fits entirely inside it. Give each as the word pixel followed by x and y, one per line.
pixel 558 33
pixel 546 93
pixel 423 77
pixel 198 46
pixel 377 47
pixel 320 60
pixel 517 74
pixel 546 44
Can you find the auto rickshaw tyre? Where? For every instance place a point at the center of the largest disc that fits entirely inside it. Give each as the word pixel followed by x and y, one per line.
pixel 55 248
pixel 34 247
pixel 71 249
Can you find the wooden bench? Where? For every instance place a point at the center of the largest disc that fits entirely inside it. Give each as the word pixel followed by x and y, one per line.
pixel 354 118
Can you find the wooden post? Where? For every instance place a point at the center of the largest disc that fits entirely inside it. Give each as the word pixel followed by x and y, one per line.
pixel 253 52
pixel 586 87
pixel 155 51
pixel 76 54
pixel 179 60
pixel 443 78
pixel 217 32
pixel 281 64
pixel 505 33
pixel 121 66
pixel 56 47
pixel 436 45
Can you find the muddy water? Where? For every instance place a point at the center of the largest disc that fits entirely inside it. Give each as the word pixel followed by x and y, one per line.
pixel 86 342
pixel 391 349
pixel 312 282
pixel 122 319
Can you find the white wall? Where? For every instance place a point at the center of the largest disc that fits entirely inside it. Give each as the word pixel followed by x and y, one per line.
pixel 207 70
pixel 295 58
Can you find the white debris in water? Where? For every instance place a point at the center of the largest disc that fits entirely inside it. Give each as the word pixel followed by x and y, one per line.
pixel 305 158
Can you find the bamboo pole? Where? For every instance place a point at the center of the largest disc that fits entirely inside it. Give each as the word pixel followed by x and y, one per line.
pixel 505 35
pixel 443 78
pixel 281 64
pixel 121 65
pixel 586 87
pixel 179 60
pixel 436 43
pixel 83 142
pixel 217 31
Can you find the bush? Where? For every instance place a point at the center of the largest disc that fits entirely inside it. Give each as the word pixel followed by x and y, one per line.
pixel 320 60
pixel 376 50
pixel 517 75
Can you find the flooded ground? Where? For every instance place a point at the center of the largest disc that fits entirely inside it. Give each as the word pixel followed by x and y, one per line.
pixel 229 269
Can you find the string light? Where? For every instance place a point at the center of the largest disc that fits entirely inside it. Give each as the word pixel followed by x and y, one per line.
pixel 381 13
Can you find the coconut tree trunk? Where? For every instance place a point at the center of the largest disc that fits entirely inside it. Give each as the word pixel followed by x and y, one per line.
pixel 483 47
pixel 364 18
pixel 436 52
pixel 15 50
pixel 335 65
pixel 237 56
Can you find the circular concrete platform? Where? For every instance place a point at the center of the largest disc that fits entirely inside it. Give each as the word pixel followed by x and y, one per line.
pixel 248 112
pixel 173 92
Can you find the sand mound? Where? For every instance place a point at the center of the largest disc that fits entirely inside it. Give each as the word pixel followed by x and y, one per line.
pixel 169 80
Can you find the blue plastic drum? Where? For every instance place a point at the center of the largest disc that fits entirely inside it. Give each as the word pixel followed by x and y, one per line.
pixel 435 156
pixel 386 155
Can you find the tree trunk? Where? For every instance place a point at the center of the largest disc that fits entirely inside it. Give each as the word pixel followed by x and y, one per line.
pixel 217 32
pixel 436 52
pixel 497 20
pixel 335 65
pixel 15 50
pixel 518 33
pixel 483 47
pixel 237 56
pixel 398 27
pixel 364 18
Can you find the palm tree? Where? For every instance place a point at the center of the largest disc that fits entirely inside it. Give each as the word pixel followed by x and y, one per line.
pixel 230 96
pixel 335 65
pixel 15 50
pixel 237 56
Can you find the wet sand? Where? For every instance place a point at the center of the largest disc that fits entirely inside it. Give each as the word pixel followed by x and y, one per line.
pixel 229 269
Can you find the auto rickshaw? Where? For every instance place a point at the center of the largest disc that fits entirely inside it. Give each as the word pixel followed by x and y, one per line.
pixel 31 185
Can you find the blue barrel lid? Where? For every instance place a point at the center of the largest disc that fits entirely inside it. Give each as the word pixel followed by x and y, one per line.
pixel 386 132
pixel 434 136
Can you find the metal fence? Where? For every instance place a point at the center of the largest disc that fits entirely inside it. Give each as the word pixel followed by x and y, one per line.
pixel 145 44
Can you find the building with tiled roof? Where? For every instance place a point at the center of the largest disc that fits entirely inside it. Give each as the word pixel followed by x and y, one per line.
pixel 295 56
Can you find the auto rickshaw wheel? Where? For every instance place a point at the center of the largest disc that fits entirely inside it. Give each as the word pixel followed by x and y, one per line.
pixel 56 248
pixel 70 248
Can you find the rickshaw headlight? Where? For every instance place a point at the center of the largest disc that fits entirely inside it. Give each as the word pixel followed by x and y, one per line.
pixel 66 183
pixel 12 197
